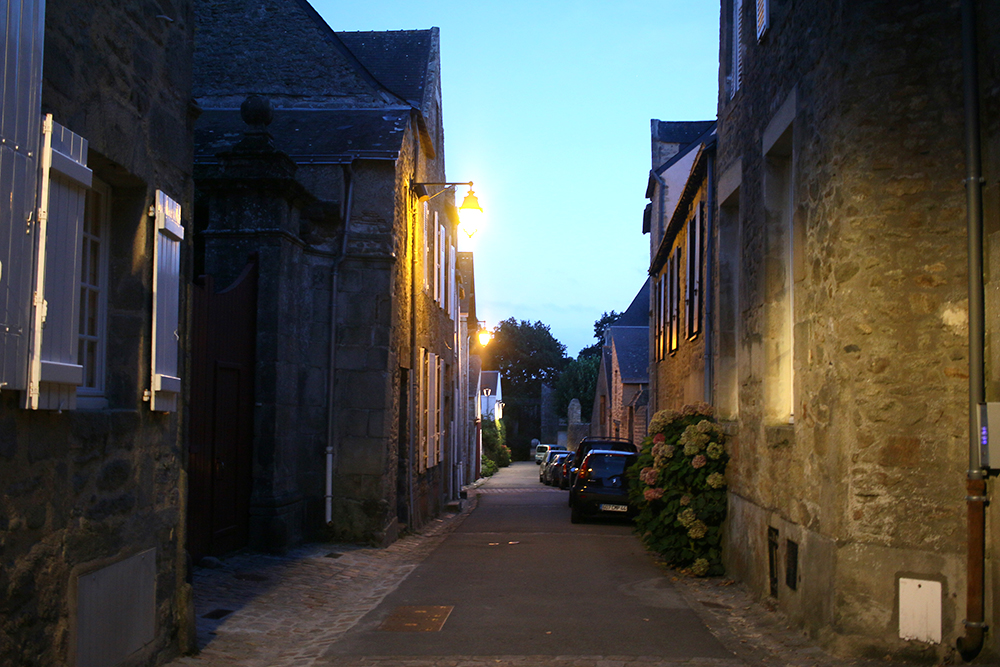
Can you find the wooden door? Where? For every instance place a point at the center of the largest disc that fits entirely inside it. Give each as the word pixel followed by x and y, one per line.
pixel 220 454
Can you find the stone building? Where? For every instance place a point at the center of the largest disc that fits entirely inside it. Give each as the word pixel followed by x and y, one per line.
pixel 92 478
pixel 843 266
pixel 324 181
pixel 677 223
pixel 622 391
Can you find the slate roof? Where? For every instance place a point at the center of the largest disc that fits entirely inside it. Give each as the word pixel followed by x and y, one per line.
pixel 397 58
pixel 632 348
pixel 310 135
pixel 637 314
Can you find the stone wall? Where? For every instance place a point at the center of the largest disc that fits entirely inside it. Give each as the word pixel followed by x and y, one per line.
pixel 857 271
pixel 87 489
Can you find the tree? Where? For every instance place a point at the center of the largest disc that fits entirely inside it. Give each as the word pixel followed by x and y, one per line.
pixel 526 354
pixel 603 322
pixel 578 380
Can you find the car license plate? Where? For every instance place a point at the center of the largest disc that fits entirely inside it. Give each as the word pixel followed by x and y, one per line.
pixel 605 507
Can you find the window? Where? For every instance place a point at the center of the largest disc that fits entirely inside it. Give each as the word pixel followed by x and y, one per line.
pixel 693 276
pixel 93 294
pixel 673 298
pixel 425 219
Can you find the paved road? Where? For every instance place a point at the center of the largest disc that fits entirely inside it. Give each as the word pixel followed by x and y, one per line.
pixel 320 605
pixel 522 585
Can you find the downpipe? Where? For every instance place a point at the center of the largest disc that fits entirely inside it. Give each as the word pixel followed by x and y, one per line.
pixel 971 644
pixel 331 401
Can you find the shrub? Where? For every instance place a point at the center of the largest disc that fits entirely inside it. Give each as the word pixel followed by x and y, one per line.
pixel 489 468
pixel 494 442
pixel 678 485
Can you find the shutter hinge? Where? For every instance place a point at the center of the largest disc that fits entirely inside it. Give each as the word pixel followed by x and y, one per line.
pixel 146 396
pixel 152 210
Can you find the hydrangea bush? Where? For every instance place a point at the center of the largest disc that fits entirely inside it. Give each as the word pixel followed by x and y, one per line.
pixel 678 485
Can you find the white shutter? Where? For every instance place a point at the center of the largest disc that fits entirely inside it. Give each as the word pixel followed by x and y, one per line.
pixel 431 409
pixel 20 134
pixel 440 412
pixel 452 288
pixel 421 426
pixel 165 381
pixel 763 17
pixel 54 371
pixel 439 285
pixel 426 219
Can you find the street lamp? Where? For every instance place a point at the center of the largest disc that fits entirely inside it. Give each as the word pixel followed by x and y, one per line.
pixel 484 335
pixel 469 213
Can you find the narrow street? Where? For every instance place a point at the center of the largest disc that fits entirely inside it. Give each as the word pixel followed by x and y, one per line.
pixel 510 582
pixel 520 583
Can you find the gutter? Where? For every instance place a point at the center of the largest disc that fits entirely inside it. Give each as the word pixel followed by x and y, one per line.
pixel 971 644
pixel 331 402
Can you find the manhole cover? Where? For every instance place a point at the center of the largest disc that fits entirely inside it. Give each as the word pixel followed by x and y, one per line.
pixel 416 619
pixel 216 614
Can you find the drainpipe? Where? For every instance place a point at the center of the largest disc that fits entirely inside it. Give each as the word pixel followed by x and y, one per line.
pixel 708 287
pixel 971 644
pixel 653 383
pixel 331 402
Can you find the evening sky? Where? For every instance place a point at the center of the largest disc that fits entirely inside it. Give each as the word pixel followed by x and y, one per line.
pixel 546 107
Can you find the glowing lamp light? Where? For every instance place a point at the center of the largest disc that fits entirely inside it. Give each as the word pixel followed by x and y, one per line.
pixel 485 337
pixel 470 213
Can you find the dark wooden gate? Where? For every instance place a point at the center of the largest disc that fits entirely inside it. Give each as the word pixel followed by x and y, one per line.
pixel 220 455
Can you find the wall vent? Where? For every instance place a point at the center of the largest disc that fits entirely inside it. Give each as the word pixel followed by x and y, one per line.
pixel 791 564
pixel 772 559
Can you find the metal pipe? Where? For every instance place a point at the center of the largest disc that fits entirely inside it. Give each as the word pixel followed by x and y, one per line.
pixel 971 644
pixel 708 287
pixel 331 401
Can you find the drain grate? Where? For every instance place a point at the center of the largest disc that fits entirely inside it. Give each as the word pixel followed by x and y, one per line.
pixel 416 619
pixel 249 576
pixel 216 614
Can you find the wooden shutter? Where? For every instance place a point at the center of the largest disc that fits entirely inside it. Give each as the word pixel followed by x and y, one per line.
pixel 166 381
pixel 20 135
pixel 763 17
pixel 421 427
pixel 53 370
pixel 737 72
pixel 439 265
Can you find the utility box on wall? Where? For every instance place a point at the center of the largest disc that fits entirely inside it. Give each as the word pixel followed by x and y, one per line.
pixel 920 610
pixel 116 608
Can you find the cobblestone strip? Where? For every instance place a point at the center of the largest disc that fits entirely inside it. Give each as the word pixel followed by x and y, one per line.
pixel 286 611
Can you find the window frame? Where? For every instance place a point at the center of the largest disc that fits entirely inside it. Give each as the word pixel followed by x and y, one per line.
pixel 93 397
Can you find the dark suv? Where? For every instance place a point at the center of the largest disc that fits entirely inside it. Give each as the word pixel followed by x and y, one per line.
pixel 586 445
pixel 601 485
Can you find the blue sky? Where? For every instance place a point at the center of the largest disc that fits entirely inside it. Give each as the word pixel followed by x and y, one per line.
pixel 546 108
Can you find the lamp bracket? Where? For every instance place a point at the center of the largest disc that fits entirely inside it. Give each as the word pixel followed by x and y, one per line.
pixel 446 186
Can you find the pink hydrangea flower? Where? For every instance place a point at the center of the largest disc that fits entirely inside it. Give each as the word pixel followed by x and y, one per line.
pixel 699 461
pixel 658 438
pixel 652 494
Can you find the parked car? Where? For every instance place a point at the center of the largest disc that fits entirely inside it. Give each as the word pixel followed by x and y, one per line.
pixel 590 443
pixel 555 473
pixel 601 487
pixel 542 450
pixel 552 465
pixel 543 471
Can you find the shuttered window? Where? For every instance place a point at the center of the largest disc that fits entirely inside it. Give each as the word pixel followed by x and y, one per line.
pixel 165 381
pixel 20 134
pixel 54 371
pixel 432 409
pixel 693 277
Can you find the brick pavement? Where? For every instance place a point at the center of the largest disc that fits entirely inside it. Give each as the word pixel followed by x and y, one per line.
pixel 286 611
